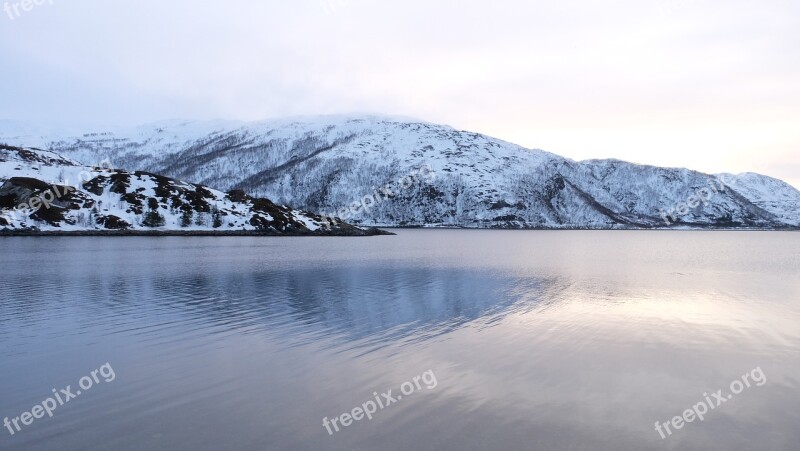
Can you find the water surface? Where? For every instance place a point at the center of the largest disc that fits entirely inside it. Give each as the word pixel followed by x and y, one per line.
pixel 538 340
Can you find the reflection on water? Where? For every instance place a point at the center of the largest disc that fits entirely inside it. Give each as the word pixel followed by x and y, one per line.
pixel 539 340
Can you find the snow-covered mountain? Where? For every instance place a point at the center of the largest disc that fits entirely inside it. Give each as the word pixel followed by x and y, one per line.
pixel 773 195
pixel 42 191
pixel 383 171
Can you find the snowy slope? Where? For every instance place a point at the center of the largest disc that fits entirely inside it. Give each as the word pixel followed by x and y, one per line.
pixel 327 164
pixel 773 195
pixel 41 191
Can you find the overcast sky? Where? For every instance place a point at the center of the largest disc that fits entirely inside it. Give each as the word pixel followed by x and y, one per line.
pixel 711 85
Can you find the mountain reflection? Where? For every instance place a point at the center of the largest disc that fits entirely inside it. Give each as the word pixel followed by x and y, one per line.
pixel 351 303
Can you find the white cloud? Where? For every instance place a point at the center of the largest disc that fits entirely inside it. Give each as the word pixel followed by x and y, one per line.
pixel 707 84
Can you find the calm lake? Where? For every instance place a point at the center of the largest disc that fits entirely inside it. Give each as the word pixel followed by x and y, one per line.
pixel 518 340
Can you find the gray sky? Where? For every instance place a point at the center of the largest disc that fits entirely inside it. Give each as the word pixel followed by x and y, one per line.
pixel 710 85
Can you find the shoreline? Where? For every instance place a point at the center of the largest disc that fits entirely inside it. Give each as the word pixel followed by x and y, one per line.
pixel 187 233
pixel 368 232
pixel 586 229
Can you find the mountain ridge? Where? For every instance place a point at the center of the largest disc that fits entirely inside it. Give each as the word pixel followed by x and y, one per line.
pixel 327 164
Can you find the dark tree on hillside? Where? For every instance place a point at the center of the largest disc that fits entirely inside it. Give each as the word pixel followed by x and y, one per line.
pixel 186 218
pixel 153 219
pixel 217 218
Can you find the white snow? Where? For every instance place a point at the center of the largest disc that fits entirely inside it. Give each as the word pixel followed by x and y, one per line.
pixel 108 203
pixel 326 163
